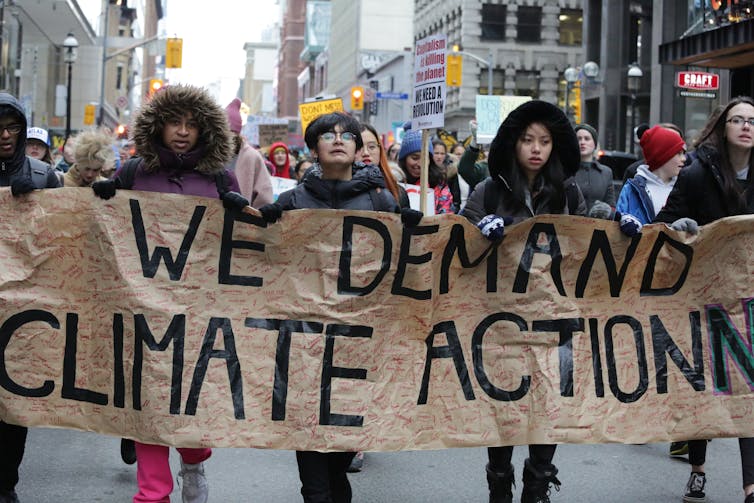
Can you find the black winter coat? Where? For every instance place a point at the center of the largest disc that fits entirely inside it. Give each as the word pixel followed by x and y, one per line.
pixel 698 192
pixel 365 191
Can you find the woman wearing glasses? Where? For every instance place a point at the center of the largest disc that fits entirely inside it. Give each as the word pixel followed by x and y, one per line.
pixel 717 184
pixel 374 154
pixel 335 181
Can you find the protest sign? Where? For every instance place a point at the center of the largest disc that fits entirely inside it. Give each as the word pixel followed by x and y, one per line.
pixel 428 101
pixel 491 111
pixel 310 111
pixel 168 319
pixel 414 192
pixel 280 185
pixel 271 133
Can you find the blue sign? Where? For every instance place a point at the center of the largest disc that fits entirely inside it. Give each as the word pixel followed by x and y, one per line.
pixel 392 96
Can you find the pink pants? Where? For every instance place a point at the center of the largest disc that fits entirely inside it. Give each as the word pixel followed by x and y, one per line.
pixel 153 474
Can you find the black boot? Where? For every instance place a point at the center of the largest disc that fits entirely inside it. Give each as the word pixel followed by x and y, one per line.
pixel 537 482
pixel 500 484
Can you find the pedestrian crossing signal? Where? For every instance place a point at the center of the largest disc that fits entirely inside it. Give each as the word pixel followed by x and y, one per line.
pixel 357 98
pixel 154 86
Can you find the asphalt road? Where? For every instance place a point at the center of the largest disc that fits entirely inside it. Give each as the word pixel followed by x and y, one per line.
pixel 72 466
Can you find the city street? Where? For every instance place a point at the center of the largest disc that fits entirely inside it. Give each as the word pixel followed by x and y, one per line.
pixel 72 466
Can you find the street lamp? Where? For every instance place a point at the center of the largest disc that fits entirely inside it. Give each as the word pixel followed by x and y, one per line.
pixel 487 63
pixel 70 45
pixel 571 75
pixel 633 76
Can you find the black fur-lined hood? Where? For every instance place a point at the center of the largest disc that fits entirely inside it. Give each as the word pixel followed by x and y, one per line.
pixel 565 143
pixel 215 141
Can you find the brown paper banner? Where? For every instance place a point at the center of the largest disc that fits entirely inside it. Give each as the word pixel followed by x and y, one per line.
pixel 165 319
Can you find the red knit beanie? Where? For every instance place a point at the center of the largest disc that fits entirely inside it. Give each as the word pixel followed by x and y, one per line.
pixel 659 145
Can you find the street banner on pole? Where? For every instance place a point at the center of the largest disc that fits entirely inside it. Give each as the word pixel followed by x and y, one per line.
pixel 491 111
pixel 168 319
pixel 428 100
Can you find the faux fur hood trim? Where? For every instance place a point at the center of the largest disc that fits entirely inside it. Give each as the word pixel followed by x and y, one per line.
pixel 174 101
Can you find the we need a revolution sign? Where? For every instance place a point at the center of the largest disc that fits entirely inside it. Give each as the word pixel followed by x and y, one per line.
pixel 428 106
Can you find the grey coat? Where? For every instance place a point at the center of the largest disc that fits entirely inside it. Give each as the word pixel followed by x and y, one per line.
pixel 596 183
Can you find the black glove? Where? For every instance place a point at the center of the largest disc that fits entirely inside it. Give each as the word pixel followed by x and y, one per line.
pixel 21 186
pixel 271 213
pixel 234 201
pixel 411 218
pixel 106 188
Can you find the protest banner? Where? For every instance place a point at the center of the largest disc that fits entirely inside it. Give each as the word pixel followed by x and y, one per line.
pixel 251 130
pixel 414 200
pixel 168 319
pixel 491 111
pixel 311 110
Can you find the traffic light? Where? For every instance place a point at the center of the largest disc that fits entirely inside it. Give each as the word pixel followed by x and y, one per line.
pixel 173 53
pixel 154 86
pixel 89 111
pixel 357 98
pixel 454 70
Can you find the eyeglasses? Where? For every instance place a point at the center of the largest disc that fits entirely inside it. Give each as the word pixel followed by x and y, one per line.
pixel 373 147
pixel 11 128
pixel 737 120
pixel 330 136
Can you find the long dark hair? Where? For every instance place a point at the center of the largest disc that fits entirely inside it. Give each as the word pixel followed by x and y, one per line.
pixel 549 180
pixel 390 182
pixel 715 138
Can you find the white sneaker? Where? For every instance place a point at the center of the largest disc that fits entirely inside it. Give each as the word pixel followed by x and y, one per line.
pixel 195 489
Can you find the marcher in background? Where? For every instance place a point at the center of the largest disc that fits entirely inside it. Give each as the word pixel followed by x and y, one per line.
pixel 23 175
pixel 645 194
pixel 717 184
pixel 532 160
pixel 300 168
pixel 247 163
pixel 470 167
pixel 630 170
pixel 594 179
pixel 439 152
pixel 336 181
pixel 38 144
pixel 393 151
pixel 374 154
pixel 69 155
pixel 182 144
pixel 409 160
pixel 94 151
pixel 280 159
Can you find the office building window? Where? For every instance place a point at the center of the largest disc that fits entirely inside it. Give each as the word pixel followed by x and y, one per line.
pixel 498 82
pixel 493 22
pixel 529 24
pixel 527 83
pixel 571 21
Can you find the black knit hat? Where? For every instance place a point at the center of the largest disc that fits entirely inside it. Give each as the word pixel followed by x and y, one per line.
pixel 564 140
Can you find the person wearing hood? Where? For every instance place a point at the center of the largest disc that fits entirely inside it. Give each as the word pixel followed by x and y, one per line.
pixel 247 163
pixel 717 184
pixel 336 181
pixel 280 158
pixel 94 151
pixel 182 143
pixel 645 194
pixel 23 175
pixel 594 179
pixel 532 161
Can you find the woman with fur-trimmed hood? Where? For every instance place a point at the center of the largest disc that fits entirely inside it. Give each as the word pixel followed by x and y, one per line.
pixel 532 162
pixel 182 144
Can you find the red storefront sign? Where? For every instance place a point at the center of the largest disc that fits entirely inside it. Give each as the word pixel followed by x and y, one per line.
pixel 699 81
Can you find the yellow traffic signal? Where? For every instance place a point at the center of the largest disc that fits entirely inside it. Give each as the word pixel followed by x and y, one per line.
pixel 174 53
pixel 576 103
pixel 357 98
pixel 454 70
pixel 154 86
pixel 89 111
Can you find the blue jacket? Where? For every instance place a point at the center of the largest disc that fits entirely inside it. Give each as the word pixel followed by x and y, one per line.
pixel 634 200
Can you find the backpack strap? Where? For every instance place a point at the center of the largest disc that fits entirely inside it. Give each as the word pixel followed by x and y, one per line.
pixel 128 173
pixel 572 197
pixel 38 171
pixel 491 197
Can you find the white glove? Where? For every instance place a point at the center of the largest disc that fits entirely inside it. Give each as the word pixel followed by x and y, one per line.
pixel 685 224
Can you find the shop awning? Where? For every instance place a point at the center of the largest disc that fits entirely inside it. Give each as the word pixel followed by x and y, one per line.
pixel 730 46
